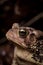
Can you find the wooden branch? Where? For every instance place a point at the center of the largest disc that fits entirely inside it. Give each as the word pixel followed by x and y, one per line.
pixel 34 19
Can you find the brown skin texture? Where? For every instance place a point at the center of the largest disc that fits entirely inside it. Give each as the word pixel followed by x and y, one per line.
pixel 22 44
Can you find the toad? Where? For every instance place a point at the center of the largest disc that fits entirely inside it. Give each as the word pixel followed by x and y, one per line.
pixel 26 40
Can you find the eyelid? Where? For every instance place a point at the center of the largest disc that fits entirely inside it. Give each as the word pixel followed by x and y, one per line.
pixel 22 30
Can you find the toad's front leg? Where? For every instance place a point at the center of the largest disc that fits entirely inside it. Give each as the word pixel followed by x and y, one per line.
pixel 14 62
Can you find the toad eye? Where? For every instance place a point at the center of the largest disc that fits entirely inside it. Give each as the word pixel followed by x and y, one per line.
pixel 22 33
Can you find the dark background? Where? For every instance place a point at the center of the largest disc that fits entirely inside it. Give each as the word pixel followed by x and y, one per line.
pixel 27 8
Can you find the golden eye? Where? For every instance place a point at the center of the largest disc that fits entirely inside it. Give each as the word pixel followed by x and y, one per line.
pixel 22 33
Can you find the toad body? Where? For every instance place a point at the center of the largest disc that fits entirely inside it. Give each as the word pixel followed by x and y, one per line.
pixel 25 40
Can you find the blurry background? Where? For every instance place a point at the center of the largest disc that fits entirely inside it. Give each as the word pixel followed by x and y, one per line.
pixel 20 11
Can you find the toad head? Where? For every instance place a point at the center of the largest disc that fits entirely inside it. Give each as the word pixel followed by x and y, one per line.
pixel 23 36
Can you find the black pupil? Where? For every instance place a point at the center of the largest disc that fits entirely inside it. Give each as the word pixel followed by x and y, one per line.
pixel 22 33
